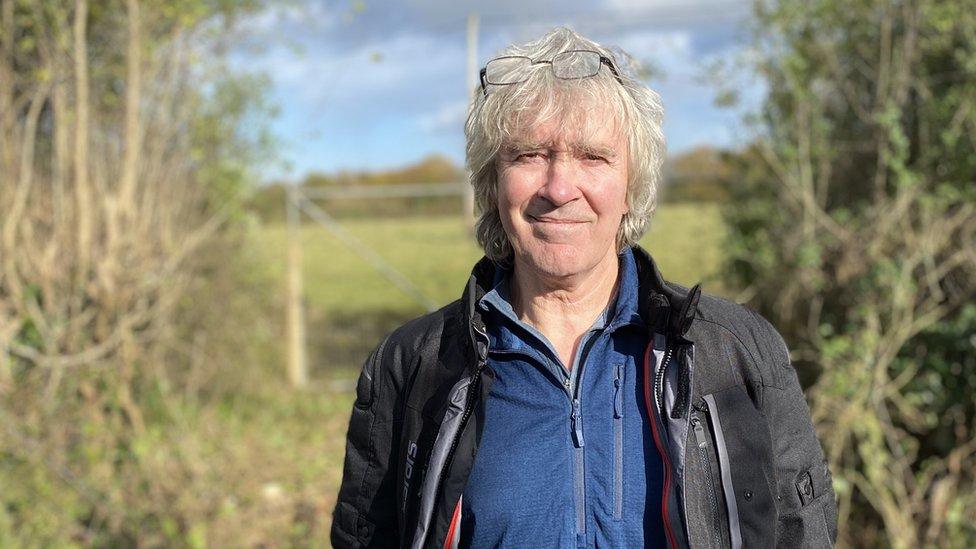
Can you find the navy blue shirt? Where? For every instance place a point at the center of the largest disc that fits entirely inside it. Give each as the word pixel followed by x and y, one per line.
pixel 566 459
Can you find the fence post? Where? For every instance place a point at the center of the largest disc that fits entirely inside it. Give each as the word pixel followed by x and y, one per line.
pixel 297 358
pixel 467 204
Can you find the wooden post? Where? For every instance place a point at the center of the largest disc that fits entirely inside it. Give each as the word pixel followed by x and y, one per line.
pixel 297 359
pixel 467 204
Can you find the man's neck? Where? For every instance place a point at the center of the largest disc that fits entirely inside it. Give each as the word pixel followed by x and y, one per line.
pixel 564 309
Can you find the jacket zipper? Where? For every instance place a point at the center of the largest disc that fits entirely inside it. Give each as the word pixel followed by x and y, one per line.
pixel 659 381
pixel 618 443
pixel 702 440
pixel 468 408
pixel 654 412
pixel 725 471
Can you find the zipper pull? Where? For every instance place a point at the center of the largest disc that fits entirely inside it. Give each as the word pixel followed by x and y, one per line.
pixel 699 432
pixel 577 424
pixel 700 406
pixel 618 397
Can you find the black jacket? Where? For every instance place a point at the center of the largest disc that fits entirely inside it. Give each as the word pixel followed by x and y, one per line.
pixel 743 464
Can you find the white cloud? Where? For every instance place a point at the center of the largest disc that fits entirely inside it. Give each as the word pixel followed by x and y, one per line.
pixel 668 49
pixel 682 12
pixel 670 54
pixel 286 17
pixel 449 116
pixel 403 64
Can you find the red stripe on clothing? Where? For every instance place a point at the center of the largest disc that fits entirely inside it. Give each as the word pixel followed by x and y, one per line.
pixel 652 413
pixel 449 541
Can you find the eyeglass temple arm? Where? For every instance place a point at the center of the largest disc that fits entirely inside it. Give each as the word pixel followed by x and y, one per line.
pixel 609 63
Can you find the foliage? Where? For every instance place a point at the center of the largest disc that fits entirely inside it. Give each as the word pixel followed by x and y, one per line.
pixel 854 231
pixel 699 175
pixel 139 403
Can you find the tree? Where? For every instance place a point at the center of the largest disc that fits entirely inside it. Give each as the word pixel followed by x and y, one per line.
pixel 122 159
pixel 854 231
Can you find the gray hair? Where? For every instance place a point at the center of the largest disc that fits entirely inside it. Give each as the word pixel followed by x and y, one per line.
pixel 541 97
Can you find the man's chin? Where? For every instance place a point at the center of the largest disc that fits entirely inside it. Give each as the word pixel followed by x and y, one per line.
pixel 557 260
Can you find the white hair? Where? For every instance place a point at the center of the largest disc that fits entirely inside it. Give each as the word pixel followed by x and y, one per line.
pixel 507 110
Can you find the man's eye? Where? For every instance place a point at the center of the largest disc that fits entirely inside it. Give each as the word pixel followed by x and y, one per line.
pixel 595 157
pixel 531 155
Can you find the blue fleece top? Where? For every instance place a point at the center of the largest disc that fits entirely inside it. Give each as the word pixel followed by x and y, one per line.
pixel 566 459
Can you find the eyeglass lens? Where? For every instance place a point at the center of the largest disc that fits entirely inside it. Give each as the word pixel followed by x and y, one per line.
pixel 566 65
pixel 576 64
pixel 507 70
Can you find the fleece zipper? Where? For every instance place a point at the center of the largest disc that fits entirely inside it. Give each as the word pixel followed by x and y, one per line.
pixel 618 442
pixel 576 427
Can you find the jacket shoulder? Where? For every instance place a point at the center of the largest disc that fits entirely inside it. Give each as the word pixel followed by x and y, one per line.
pixel 724 322
pixel 414 342
pixel 414 335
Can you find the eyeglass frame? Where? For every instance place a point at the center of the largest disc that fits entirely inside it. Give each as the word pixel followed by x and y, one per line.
pixel 604 60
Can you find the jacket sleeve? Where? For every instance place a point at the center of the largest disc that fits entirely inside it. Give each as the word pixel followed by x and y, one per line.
pixel 806 505
pixel 365 511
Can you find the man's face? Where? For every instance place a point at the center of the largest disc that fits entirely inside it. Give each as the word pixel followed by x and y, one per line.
pixel 562 189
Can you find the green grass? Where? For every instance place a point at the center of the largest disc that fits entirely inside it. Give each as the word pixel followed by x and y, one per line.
pixel 434 254
pixel 686 242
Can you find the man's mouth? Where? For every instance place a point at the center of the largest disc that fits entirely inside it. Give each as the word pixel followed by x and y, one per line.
pixel 554 220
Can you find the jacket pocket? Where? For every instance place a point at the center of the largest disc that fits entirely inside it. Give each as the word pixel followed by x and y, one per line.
pixel 714 527
pixel 618 442
pixel 725 470
pixel 744 450
pixel 808 526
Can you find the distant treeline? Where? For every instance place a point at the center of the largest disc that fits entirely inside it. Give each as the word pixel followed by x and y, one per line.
pixel 700 175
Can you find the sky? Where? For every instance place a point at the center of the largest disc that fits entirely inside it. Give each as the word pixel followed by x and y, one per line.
pixel 375 84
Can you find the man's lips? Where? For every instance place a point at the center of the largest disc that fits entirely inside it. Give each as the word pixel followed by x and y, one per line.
pixel 554 220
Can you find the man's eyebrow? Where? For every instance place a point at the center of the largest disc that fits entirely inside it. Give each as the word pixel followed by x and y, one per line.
pixel 523 145
pixel 595 149
pixel 519 145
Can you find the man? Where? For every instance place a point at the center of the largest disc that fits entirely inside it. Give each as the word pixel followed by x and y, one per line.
pixel 572 397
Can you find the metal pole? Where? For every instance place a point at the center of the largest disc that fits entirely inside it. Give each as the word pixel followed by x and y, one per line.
pixel 469 87
pixel 297 359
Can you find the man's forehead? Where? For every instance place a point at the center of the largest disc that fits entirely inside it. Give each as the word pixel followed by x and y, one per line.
pixel 587 131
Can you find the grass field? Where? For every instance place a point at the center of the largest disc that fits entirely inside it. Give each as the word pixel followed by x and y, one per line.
pixel 350 307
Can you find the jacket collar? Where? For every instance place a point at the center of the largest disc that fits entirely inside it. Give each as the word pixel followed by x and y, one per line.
pixel 666 307
pixel 670 307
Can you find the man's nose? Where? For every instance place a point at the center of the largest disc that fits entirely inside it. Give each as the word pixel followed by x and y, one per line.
pixel 561 181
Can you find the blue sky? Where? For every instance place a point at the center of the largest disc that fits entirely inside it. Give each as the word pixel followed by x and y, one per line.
pixel 377 84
